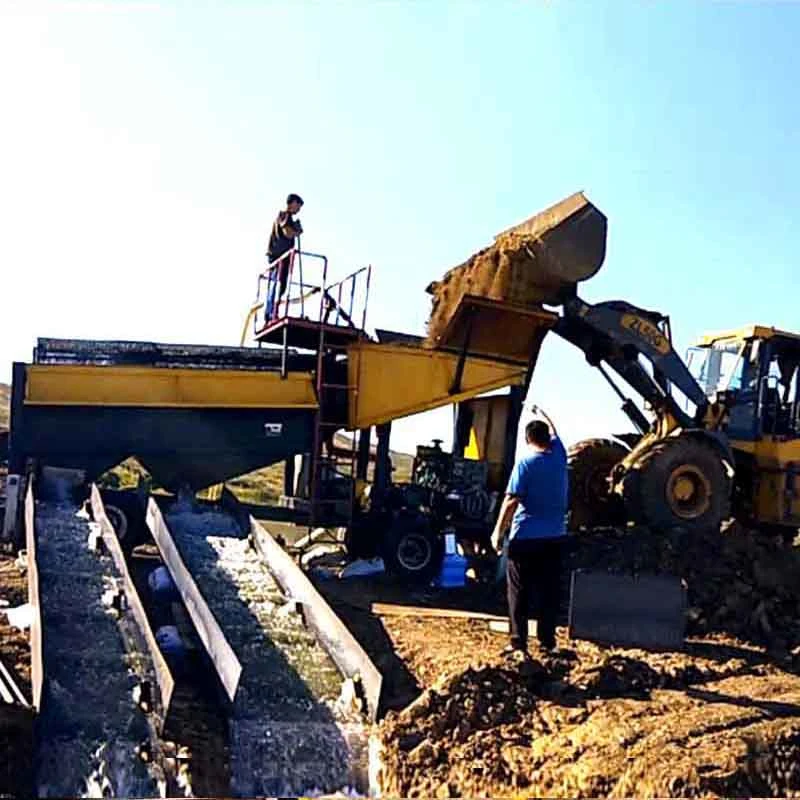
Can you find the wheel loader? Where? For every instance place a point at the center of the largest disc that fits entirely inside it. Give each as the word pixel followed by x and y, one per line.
pixel 723 433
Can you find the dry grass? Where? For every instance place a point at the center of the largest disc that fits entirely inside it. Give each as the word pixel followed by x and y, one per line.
pixel 5 402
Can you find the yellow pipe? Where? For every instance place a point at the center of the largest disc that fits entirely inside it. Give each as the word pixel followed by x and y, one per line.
pixel 250 314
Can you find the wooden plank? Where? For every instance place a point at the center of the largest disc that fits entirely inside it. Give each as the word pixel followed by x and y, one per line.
pixel 331 632
pixel 37 662
pixel 225 662
pixel 392 610
pixel 164 677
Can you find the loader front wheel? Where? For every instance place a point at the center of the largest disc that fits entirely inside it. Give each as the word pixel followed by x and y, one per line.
pixel 591 502
pixel 681 482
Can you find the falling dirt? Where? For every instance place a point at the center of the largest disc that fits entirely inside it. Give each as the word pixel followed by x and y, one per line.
pixel 533 263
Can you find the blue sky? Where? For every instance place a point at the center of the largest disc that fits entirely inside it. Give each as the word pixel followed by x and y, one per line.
pixel 145 148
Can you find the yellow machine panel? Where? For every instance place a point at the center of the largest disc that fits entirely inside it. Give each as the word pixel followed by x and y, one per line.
pixel 392 381
pixel 487 438
pixel 776 489
pixel 51 384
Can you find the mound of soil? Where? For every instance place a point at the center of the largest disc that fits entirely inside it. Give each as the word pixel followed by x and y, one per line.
pixel 714 721
pixel 740 582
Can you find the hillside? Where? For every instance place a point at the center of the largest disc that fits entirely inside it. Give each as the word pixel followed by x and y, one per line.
pixel 5 400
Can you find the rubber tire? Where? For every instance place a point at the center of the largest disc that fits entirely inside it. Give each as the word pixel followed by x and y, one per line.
pixel 119 521
pixel 406 525
pixel 630 439
pixel 587 508
pixel 645 485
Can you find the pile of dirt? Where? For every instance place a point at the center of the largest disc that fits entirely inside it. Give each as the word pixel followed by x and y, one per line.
pixel 741 582
pixel 589 722
pixel 531 264
pixel 15 649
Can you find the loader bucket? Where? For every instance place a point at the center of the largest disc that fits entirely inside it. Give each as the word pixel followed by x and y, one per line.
pixel 540 261
pixel 568 241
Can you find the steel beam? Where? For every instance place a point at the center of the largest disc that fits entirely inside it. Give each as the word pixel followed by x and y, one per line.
pixel 225 662
pixel 37 662
pixel 164 677
pixel 340 644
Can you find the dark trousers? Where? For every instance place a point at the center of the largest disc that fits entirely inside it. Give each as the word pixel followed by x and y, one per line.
pixel 534 569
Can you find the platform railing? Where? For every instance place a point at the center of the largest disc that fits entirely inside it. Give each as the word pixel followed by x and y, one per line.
pixel 343 303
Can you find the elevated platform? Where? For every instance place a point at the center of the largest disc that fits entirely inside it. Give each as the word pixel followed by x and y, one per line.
pixel 304 334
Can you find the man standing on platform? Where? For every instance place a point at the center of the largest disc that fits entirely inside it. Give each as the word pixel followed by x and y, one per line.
pixel 535 509
pixel 285 230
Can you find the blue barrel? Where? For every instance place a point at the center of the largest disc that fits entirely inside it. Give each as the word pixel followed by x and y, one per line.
pixel 162 586
pixel 453 573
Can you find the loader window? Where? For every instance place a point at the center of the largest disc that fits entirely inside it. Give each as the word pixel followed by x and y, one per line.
pixel 717 368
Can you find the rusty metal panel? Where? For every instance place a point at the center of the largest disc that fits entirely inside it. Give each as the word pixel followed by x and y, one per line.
pixel 393 381
pixel 340 644
pixel 164 678
pixel 496 329
pixel 225 662
pixel 647 611
pixel 37 663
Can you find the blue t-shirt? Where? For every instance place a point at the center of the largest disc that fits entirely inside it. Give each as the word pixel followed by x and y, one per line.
pixel 539 482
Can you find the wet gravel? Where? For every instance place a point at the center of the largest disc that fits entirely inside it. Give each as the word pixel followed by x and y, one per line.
pixel 90 728
pixel 288 734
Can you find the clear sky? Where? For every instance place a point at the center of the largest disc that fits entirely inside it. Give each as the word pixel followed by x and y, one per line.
pixel 146 146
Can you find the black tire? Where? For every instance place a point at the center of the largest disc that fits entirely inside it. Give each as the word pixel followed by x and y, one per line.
pixel 591 502
pixel 630 439
pixel 679 482
pixel 119 521
pixel 411 550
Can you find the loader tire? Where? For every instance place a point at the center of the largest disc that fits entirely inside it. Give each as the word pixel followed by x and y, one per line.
pixel 591 502
pixel 630 439
pixel 680 482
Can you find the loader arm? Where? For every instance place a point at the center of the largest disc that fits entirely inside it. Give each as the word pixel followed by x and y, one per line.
pixel 619 334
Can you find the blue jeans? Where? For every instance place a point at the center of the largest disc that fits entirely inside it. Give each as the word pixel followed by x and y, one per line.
pixel 277 287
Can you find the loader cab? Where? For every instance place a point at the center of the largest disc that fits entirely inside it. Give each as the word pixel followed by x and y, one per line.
pixel 759 365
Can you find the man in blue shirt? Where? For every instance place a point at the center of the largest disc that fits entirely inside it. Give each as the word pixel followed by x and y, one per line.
pixel 535 508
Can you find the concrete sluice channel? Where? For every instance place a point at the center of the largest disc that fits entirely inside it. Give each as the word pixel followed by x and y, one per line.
pixel 292 730
pixel 91 732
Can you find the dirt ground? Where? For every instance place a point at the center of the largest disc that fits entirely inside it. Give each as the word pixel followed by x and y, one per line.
pixel 16 723
pixel 15 648
pixel 719 718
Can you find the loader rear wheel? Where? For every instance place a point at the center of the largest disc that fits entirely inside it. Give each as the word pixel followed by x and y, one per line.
pixel 591 502
pixel 678 483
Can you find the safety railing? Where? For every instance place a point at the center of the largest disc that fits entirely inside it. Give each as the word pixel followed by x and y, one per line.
pixel 295 286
